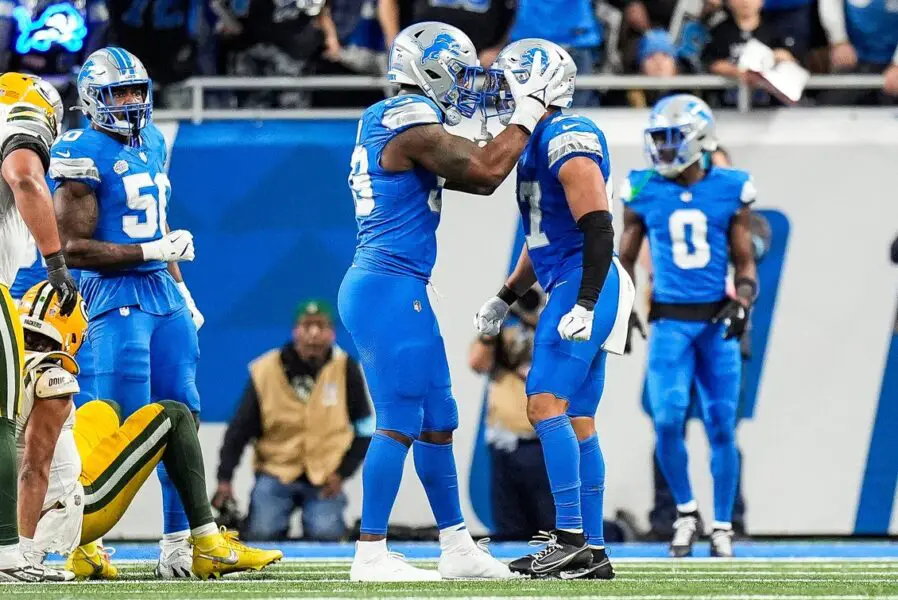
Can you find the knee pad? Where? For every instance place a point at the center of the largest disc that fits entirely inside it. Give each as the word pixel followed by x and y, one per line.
pixel 440 412
pixel 411 370
pixel 720 424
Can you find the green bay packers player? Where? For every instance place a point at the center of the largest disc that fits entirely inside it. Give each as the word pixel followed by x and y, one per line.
pixel 100 463
pixel 30 110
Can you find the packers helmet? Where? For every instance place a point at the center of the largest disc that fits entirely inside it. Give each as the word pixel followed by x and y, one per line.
pixel 30 90
pixel 40 312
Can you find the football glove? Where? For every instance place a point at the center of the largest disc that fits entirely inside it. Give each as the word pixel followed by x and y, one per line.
pixel 488 319
pixel 734 316
pixel 635 323
pixel 61 279
pixel 576 325
pixel 175 246
pixel 195 314
pixel 532 97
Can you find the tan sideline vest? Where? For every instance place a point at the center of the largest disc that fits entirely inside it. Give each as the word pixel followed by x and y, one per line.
pixel 301 437
pixel 507 405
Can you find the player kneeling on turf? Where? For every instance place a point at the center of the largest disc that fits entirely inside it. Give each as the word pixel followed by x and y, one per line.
pixel 99 463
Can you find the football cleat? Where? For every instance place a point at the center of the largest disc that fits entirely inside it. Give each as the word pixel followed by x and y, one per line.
pixel 599 569
pixel 686 531
pixel 468 560
pixel 563 551
pixel 91 561
pixel 222 553
pixel 722 543
pixel 175 560
pixel 384 565
pixel 30 573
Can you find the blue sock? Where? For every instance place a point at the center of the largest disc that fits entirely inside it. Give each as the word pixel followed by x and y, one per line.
pixel 174 518
pixel 592 490
pixel 725 472
pixel 562 456
pixel 435 465
pixel 670 448
pixel 381 476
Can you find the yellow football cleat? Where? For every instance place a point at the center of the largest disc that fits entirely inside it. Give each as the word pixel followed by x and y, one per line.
pixel 221 553
pixel 91 561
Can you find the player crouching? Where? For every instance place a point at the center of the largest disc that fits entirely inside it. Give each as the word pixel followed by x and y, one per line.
pixel 100 463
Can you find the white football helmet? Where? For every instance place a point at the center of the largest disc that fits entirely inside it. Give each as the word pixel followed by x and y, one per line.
pixel 104 71
pixel 518 57
pixel 442 61
pixel 680 132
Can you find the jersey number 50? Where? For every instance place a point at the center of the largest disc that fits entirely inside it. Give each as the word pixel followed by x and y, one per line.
pixel 154 218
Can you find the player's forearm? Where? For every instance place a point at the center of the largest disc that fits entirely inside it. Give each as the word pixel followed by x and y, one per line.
pixel 93 254
pixel 523 277
pixel 490 165
pixel 23 172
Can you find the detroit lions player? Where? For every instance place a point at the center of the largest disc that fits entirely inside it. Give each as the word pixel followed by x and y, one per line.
pixel 697 220
pixel 563 177
pixel 112 195
pixel 402 158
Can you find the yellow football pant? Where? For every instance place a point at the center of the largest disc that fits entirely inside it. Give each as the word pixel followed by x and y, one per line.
pixel 116 460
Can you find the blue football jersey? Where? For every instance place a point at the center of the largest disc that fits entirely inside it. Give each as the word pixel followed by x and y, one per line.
pixel 132 191
pixel 554 241
pixel 688 230
pixel 397 212
pixel 872 27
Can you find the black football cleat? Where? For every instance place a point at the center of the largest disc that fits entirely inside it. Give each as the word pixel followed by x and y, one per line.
pixel 599 569
pixel 563 551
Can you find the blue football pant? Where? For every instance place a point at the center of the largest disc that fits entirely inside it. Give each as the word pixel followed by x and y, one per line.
pixel 680 351
pixel 87 379
pixel 141 358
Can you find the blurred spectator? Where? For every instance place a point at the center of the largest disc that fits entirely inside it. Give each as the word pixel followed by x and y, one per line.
pixel 307 409
pixel 571 24
pixel 641 16
pixel 863 38
pixel 30 43
pixel 521 497
pixel 163 34
pixel 486 22
pixel 394 16
pixel 791 20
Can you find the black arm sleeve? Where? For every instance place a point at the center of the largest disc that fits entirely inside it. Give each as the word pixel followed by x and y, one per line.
pixel 598 248
pixel 358 408
pixel 22 140
pixel 245 426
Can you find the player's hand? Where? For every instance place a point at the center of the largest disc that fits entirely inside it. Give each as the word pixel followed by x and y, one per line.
pixel 635 323
pixel 734 316
pixel 842 57
pixel 195 314
pixel 61 279
pixel 332 487
pixel 576 325
pixel 175 246
pixel 532 97
pixel 224 493
pixel 488 319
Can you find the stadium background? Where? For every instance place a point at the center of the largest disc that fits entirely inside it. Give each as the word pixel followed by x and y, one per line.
pixel 273 222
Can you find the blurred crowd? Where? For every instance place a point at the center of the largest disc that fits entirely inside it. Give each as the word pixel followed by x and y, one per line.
pixel 180 38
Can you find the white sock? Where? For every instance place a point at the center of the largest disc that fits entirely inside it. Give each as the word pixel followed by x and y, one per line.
pixel 178 537
pixel 10 556
pixel 592 547
pixel 203 530
pixel 455 536
pixel 572 530
pixel 365 551
pixel 688 507
pixel 725 525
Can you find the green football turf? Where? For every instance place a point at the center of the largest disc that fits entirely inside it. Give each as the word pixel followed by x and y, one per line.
pixel 658 580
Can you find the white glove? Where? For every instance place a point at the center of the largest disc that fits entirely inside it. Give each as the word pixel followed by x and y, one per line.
pixel 576 325
pixel 489 318
pixel 175 246
pixel 532 97
pixel 195 314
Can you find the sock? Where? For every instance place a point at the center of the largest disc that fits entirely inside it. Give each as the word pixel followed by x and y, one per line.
pixel 670 449
pixel 435 465
pixel 725 472
pixel 10 555
pixel 204 530
pixel 176 537
pixel 688 507
pixel 184 473
pixel 381 476
pixel 562 457
pixel 592 490
pixel 722 525
pixel 9 530
pixel 456 537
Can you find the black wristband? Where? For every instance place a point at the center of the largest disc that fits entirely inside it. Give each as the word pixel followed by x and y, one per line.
pixel 507 295
pixel 746 289
pixel 55 261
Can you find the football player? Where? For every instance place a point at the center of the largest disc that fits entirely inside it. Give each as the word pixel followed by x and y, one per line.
pixel 402 160
pixel 30 111
pixel 563 180
pixel 697 220
pixel 98 463
pixel 112 196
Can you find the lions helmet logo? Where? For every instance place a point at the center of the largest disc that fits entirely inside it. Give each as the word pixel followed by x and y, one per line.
pixel 528 57
pixel 442 42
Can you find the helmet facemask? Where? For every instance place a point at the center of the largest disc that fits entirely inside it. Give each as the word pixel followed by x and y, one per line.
pixel 672 149
pixel 124 119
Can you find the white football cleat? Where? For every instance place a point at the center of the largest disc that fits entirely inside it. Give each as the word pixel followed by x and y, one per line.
pixel 373 562
pixel 175 560
pixel 461 558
